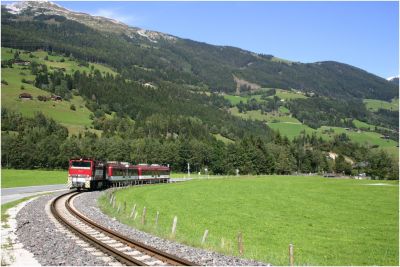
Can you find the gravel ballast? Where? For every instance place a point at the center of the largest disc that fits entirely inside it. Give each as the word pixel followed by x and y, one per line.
pixel 87 204
pixel 40 235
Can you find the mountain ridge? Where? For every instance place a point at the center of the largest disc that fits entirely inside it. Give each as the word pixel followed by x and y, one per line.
pixel 186 61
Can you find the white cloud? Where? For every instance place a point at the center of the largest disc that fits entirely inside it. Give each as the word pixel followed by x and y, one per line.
pixel 117 15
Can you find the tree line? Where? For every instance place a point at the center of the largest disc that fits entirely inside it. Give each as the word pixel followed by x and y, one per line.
pixel 40 142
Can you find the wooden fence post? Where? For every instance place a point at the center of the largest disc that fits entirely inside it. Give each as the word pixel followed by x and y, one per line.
pixel 222 243
pixel 203 240
pixel 173 230
pixel 133 211
pixel 240 243
pixel 124 205
pixel 136 214
pixel 144 216
pixel 156 220
pixel 291 255
pixel 119 207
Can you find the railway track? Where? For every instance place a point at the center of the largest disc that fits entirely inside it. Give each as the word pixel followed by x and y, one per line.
pixel 123 249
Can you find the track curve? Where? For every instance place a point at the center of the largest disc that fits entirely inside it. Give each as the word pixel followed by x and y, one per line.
pixel 122 248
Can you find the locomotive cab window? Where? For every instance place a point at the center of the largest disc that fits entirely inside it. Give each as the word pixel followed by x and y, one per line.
pixel 80 164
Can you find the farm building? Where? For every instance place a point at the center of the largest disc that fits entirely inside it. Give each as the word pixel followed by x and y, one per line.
pixel 21 62
pixel 25 96
pixel 56 98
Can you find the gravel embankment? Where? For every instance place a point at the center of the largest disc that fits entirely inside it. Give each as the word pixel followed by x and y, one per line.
pixel 49 245
pixel 87 204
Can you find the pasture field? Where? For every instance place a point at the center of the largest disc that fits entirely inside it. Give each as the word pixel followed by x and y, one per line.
pixel 223 139
pixel 374 104
pixel 76 121
pixel 18 178
pixel 291 130
pixel 329 221
pixel 288 95
pixel 282 94
pixel 280 116
pixel 54 61
pixel 235 99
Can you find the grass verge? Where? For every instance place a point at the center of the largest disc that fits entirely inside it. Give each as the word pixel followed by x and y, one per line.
pixel 9 205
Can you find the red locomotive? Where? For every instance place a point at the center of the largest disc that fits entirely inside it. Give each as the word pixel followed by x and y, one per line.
pixel 93 174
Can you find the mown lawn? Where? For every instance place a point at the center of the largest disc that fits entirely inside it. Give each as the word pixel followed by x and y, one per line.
pixel 18 178
pixel 329 221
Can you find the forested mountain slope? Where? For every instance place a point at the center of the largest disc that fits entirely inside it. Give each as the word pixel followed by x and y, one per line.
pixel 152 56
pixel 156 98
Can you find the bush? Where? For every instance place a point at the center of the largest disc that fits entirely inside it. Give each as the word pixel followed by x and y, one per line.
pixel 72 107
pixel 22 87
pixel 46 58
pixel 4 82
pixel 62 60
pixel 75 92
pixel 42 98
pixel 26 81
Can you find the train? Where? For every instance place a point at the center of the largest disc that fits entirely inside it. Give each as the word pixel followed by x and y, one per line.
pixel 91 174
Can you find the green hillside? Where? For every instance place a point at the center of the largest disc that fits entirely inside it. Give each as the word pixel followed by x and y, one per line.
pixel 185 61
pixel 76 121
pixel 172 102
pixel 374 104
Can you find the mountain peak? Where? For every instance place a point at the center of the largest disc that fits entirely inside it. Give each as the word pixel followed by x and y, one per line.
pixel 36 8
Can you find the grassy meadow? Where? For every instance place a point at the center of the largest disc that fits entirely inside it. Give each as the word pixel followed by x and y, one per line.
pixel 282 94
pixel 375 104
pixel 329 221
pixel 18 178
pixel 76 121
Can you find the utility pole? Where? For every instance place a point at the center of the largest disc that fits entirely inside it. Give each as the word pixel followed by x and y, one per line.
pixel 188 169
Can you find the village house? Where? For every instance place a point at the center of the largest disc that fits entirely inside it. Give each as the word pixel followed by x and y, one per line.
pixel 56 97
pixel 25 96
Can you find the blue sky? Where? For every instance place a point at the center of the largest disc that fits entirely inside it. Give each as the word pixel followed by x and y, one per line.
pixel 363 34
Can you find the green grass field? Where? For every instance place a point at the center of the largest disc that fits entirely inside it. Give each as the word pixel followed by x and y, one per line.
pixel 288 95
pixel 329 221
pixel 280 116
pixel 282 94
pixel 54 61
pixel 18 178
pixel 291 130
pixel 76 121
pixel 374 104
pixel 223 139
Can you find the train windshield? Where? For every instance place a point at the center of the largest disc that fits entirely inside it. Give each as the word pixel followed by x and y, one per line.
pixel 80 164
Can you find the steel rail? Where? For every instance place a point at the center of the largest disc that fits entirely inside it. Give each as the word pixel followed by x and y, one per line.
pixel 148 250
pixel 118 255
pixel 121 257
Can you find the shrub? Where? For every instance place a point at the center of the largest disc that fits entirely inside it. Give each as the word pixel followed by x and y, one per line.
pixel 22 87
pixel 42 98
pixel 4 82
pixel 72 107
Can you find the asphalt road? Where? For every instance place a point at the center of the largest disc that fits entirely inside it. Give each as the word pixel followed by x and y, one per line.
pixel 15 193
